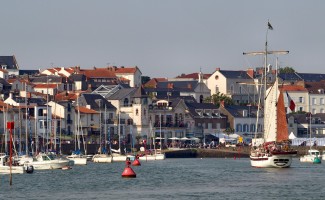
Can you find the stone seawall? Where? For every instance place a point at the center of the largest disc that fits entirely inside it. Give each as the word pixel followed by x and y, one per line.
pixel 188 153
pixel 242 152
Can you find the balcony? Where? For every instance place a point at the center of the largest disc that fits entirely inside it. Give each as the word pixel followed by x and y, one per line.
pixel 157 124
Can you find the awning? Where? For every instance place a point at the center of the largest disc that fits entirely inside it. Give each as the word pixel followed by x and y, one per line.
pixel 184 138
pixel 174 138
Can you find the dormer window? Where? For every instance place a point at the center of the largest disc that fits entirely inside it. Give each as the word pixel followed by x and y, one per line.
pixel 245 113
pixel 321 91
pixel 199 112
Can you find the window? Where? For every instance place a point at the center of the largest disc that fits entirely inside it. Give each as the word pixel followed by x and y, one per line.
pixel 321 101
pixel 126 102
pixel 232 89
pixel 314 101
pixel 91 117
pixel 252 128
pixel 217 89
pixel 301 100
pixel 301 109
pixel 209 126
pixel 238 128
pixel 245 128
pixel 321 110
pixel 136 111
pixel 144 112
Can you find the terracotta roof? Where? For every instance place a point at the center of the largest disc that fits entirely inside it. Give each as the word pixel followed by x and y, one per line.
pixel 98 73
pixel 194 76
pixel 3 70
pixel 69 70
pixel 124 79
pixel 129 70
pixel 11 80
pixel 153 82
pixel 3 104
pixel 45 86
pixel 86 110
pixel 293 88
pixel 65 96
pixel 315 87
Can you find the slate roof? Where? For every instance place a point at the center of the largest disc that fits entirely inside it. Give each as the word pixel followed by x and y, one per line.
pixel 182 86
pixel 38 101
pixel 307 77
pixel 9 61
pixel 237 110
pixel 78 77
pixel 93 101
pixel 139 93
pixel 50 79
pixel 235 74
pixel 121 94
pixel 28 72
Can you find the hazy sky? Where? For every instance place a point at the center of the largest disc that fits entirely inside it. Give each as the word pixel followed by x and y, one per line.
pixel 163 38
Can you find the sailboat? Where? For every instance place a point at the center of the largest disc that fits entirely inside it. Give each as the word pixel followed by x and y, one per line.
pixel 273 150
pixel 117 155
pixel 157 154
pixel 76 156
pixel 313 155
pixel 102 157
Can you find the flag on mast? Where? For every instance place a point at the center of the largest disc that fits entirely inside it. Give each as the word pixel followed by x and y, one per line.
pixel 269 26
pixel 291 103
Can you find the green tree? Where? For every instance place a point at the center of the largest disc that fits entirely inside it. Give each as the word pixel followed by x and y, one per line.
pixel 229 131
pixel 217 98
pixel 286 70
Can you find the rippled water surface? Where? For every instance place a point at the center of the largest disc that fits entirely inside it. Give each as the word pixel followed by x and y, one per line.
pixel 207 178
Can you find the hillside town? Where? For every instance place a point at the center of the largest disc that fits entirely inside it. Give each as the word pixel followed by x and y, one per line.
pixel 119 103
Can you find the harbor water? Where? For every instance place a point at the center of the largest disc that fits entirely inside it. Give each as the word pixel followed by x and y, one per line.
pixel 190 178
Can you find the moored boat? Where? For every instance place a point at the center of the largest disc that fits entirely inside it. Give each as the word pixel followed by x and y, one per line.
pixel 5 167
pixel 313 156
pixel 273 150
pixel 47 161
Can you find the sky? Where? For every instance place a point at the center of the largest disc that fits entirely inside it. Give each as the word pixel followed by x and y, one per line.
pixel 164 38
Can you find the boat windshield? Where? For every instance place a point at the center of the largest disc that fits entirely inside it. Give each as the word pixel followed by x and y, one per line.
pixel 51 157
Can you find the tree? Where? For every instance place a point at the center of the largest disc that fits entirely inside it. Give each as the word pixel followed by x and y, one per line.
pixel 229 131
pixel 145 79
pixel 286 70
pixel 217 98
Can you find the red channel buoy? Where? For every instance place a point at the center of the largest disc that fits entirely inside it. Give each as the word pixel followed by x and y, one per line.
pixel 136 162
pixel 128 171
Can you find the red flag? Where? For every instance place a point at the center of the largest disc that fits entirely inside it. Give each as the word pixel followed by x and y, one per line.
pixel 291 103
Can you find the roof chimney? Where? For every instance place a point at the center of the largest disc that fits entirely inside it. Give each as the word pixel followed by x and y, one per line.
pixel 218 69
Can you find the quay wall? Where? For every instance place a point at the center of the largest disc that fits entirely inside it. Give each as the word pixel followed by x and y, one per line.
pixel 187 152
